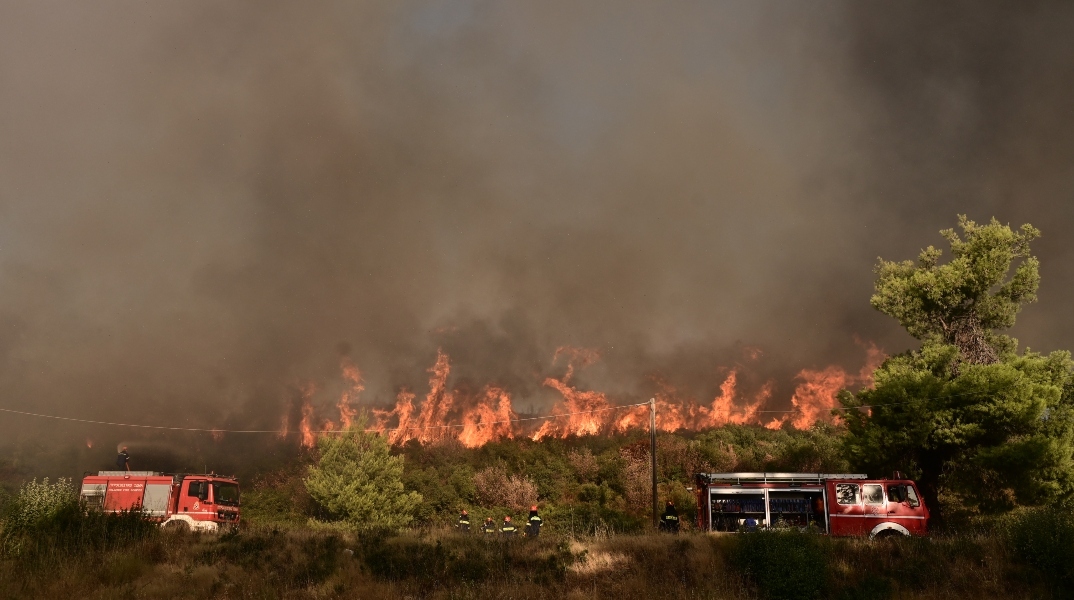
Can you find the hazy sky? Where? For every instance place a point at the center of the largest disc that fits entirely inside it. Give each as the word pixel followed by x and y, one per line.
pixel 205 204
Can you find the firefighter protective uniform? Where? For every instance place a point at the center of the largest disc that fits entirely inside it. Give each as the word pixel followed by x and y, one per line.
pixel 489 528
pixel 122 460
pixel 670 521
pixel 533 528
pixel 464 522
pixel 508 528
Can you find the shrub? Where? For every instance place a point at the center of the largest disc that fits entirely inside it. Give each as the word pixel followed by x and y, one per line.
pixel 496 488
pixel 36 503
pixel 358 481
pixel 46 521
pixel 782 564
pixel 1044 538
pixel 638 484
pixel 584 464
pixel 407 559
pixel 278 498
pixel 590 519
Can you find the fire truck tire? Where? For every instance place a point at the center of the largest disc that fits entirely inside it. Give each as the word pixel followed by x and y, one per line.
pixel 888 530
pixel 177 525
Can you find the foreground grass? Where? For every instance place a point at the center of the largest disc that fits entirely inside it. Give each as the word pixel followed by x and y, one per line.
pixel 270 563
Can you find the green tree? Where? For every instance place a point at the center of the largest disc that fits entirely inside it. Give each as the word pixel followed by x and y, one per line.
pixel 973 420
pixel 358 481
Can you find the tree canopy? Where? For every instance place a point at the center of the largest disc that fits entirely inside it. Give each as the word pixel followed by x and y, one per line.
pixel 980 425
pixel 964 301
pixel 358 481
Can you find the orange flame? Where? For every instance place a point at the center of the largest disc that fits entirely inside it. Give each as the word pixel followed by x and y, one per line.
pixel 285 425
pixel 874 357
pixel 448 414
pixel 581 406
pixel 308 439
pixel 346 411
pixel 489 419
pixel 815 397
pixel 475 419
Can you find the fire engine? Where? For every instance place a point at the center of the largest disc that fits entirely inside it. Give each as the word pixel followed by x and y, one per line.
pixel 195 502
pixel 839 504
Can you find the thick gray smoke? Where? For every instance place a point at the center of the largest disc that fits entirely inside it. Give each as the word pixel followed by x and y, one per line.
pixel 205 205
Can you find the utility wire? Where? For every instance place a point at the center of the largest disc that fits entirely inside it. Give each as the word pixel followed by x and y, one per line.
pixel 449 426
pixel 198 429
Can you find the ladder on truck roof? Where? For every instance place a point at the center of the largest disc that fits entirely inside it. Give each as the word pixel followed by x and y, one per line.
pixel 130 473
pixel 777 477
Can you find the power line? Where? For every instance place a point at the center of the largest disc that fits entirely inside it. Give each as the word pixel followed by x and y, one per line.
pixel 203 430
pixel 448 426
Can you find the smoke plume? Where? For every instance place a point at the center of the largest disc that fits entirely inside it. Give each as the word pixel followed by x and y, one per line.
pixel 207 208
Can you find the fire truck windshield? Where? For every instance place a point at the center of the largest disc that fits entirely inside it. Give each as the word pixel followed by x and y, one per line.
pixel 225 493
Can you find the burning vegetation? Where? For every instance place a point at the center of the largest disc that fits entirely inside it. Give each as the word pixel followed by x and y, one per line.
pixel 475 418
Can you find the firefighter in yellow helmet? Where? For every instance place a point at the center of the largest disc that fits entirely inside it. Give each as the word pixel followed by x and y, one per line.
pixel 508 529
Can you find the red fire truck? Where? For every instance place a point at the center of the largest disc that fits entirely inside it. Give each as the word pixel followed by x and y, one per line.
pixel 840 504
pixel 196 502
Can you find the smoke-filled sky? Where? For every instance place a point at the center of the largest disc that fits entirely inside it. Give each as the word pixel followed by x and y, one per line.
pixel 204 205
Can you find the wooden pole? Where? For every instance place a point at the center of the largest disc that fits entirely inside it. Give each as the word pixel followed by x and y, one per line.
pixel 652 454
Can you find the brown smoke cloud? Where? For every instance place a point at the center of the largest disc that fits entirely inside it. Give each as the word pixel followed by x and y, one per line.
pixel 204 205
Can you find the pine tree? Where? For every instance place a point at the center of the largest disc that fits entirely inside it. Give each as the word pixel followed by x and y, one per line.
pixel 358 481
pixel 977 423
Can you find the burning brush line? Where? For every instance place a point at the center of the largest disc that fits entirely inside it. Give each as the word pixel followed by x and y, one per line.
pixel 475 419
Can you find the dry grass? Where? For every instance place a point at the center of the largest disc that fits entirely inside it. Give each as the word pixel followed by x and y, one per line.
pixel 264 563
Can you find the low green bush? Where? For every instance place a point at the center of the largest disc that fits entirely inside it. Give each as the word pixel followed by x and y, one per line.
pixel 783 564
pixel 1044 539
pixel 408 559
pixel 590 519
pixel 47 521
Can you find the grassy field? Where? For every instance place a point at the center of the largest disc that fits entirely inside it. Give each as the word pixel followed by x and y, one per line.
pixel 596 543
pixel 433 563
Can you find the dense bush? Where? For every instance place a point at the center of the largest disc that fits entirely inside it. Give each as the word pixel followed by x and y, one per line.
pixel 1044 538
pixel 46 522
pixel 36 503
pixel 596 476
pixel 496 488
pixel 602 481
pixel 358 481
pixel 278 498
pixel 783 564
pixel 588 519
pixel 465 559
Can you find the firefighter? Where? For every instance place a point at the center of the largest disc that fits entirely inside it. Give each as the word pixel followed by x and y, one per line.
pixel 122 460
pixel 533 528
pixel 464 522
pixel 508 529
pixel 489 528
pixel 670 521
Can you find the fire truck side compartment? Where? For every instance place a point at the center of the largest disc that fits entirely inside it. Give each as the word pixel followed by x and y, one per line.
pixel 834 503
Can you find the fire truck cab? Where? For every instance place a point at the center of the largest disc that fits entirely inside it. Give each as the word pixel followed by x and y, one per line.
pixel 839 504
pixel 184 501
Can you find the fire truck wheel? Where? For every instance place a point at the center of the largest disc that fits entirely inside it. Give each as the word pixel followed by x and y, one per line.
pixel 888 534
pixel 177 525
